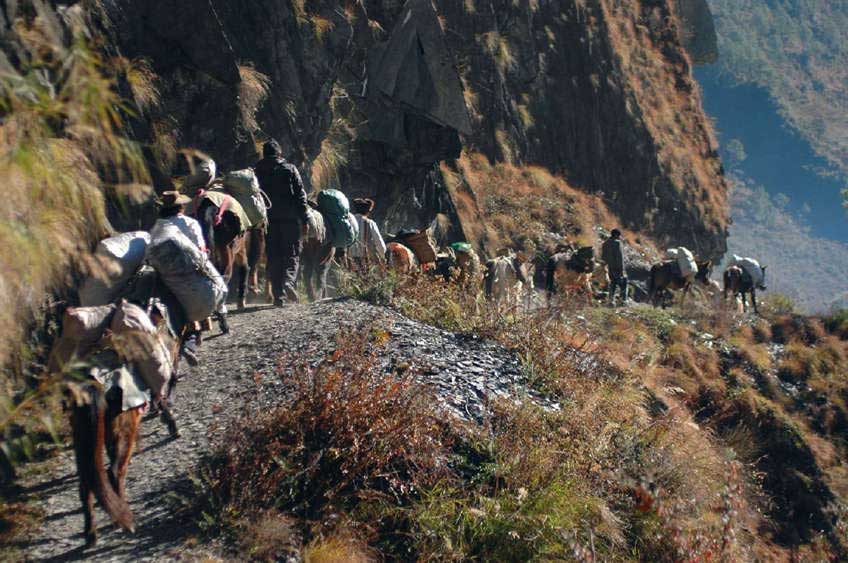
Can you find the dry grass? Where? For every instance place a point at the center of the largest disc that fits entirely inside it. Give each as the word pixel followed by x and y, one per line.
pixel 55 133
pixel 349 434
pixel 660 90
pixel 253 91
pixel 521 207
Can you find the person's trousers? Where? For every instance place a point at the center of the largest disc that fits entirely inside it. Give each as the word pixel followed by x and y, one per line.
pixel 283 248
pixel 617 280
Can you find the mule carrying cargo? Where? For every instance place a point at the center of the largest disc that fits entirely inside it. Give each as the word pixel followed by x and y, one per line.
pixel 186 271
pixel 335 208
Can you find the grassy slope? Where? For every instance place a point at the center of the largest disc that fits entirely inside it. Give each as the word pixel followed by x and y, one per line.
pixel 796 49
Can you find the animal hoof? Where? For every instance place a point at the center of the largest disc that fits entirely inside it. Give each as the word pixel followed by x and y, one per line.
pixel 242 304
pixel 90 539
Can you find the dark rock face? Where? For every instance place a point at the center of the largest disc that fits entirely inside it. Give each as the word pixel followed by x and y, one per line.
pixel 379 92
pixel 698 34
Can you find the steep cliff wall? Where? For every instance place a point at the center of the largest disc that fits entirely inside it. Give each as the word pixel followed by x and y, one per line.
pixel 374 95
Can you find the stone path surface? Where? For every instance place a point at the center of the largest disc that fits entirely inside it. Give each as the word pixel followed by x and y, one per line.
pixel 237 372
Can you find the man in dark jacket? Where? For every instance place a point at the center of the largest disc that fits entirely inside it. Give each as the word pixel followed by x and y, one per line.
pixel 287 219
pixel 612 253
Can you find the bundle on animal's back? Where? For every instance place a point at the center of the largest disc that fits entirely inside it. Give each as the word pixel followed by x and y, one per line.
pixel 243 185
pixel 341 224
pixel 202 174
pixel 115 261
pixel 750 267
pixel 138 341
pixel 685 261
pixel 186 271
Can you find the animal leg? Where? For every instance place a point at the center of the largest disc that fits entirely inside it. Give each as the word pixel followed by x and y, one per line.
pixel 754 301
pixel 87 498
pixel 242 273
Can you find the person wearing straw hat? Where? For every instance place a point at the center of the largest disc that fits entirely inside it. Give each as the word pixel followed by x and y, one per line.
pixel 172 210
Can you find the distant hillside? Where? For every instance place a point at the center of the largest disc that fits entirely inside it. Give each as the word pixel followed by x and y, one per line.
pixel 796 49
pixel 810 270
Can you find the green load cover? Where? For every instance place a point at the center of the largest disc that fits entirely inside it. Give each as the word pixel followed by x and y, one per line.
pixel 333 202
pixel 461 247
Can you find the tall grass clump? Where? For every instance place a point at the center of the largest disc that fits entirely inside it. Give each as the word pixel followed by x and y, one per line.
pixel 60 133
pixel 348 435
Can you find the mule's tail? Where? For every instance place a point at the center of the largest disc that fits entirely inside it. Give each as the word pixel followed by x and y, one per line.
pixel 89 427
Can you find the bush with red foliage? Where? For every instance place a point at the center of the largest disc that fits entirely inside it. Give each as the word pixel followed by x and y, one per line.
pixel 348 432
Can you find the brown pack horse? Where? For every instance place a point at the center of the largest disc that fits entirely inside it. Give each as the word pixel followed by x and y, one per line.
pixel 317 255
pixel 232 250
pixel 665 277
pixel 98 422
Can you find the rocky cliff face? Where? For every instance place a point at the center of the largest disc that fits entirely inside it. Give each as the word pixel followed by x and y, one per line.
pixel 374 95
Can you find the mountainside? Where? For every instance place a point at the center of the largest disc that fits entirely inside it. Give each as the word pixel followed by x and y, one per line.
pixel 373 95
pixel 796 50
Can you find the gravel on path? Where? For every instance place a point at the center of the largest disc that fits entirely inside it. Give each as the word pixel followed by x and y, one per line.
pixel 237 372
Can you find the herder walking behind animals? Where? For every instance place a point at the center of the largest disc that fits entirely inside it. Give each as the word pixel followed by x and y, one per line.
pixel 287 220
pixel 612 252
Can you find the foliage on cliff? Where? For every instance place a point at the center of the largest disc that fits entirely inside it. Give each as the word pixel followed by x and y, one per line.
pixel 796 49
pixel 61 133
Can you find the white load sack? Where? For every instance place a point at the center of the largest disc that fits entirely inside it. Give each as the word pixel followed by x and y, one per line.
pixel 82 328
pixel 137 340
pixel 685 260
pixel 750 266
pixel 116 259
pixel 204 173
pixel 186 271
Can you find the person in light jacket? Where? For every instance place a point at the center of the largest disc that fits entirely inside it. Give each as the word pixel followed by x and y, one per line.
pixel 369 248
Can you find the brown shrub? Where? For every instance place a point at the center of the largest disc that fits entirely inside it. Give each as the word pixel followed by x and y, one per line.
pixel 348 432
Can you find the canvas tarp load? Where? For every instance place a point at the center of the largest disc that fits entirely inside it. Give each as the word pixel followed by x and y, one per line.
pixel 137 340
pixel 685 260
pixel 116 260
pixel 342 225
pixel 227 202
pixel 186 271
pixel 131 354
pixel 243 185
pixel 750 267
pixel 420 243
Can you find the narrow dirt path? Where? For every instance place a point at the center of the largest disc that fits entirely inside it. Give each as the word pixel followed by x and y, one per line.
pixel 237 372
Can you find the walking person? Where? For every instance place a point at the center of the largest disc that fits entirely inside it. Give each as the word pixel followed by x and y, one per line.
pixel 369 248
pixel 612 253
pixel 287 220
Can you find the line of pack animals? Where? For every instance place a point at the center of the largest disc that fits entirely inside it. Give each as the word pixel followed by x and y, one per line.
pixel 154 293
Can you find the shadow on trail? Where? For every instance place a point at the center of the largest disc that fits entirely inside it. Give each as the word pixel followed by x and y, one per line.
pixel 164 530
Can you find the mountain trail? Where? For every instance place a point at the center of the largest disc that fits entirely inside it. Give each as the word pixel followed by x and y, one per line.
pixel 237 374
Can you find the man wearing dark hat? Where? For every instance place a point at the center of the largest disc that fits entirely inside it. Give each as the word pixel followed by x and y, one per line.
pixel 287 219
